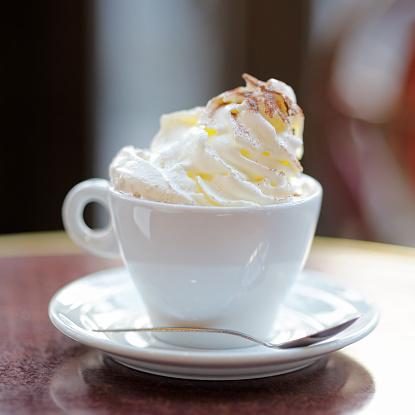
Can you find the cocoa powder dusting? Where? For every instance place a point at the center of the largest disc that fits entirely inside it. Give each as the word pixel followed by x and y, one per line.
pixel 240 130
pixel 275 102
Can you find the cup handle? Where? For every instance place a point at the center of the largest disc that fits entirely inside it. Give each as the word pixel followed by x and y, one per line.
pixel 101 242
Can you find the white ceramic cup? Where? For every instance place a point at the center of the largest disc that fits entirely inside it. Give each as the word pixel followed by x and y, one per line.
pixel 202 266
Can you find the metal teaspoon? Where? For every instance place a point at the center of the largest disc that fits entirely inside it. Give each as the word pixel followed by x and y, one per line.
pixel 301 342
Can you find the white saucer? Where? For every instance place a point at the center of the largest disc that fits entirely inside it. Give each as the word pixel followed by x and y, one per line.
pixel 109 298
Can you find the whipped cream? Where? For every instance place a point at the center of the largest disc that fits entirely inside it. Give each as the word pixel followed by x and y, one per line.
pixel 243 148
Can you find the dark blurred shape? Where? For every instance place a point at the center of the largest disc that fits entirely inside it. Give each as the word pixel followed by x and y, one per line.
pixel 402 128
pixel 276 41
pixel 42 110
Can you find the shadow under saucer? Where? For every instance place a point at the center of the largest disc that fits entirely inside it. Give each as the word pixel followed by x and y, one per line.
pixel 335 383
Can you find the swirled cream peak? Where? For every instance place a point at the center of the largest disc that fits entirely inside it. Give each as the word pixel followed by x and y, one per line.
pixel 242 148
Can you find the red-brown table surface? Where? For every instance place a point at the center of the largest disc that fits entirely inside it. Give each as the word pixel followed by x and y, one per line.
pixel 44 372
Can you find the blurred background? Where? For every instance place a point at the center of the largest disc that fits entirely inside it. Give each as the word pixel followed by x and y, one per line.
pixel 81 78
